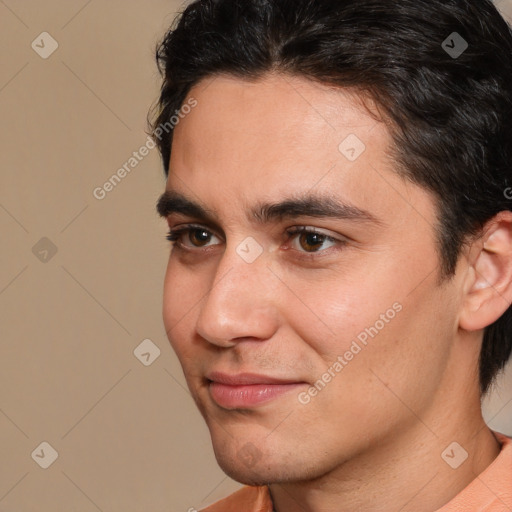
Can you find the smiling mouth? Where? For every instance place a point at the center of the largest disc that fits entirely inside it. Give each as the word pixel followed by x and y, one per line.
pixel 246 390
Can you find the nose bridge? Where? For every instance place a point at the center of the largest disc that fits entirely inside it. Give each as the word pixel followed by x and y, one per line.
pixel 239 303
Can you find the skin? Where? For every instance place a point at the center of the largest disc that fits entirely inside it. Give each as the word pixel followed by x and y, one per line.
pixel 372 438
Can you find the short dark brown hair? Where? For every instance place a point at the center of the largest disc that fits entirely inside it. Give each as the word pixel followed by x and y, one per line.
pixel 440 71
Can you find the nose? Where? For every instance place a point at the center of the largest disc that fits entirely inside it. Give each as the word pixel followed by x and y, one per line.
pixel 240 304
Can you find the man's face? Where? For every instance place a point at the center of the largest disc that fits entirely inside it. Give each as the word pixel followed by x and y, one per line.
pixel 259 316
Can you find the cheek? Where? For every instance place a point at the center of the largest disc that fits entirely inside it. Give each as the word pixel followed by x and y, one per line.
pixel 386 330
pixel 399 360
pixel 171 306
pixel 338 310
pixel 181 296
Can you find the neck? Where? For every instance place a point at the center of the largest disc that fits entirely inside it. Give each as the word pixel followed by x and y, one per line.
pixel 407 472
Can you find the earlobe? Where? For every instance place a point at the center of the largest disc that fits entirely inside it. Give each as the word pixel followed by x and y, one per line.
pixel 488 292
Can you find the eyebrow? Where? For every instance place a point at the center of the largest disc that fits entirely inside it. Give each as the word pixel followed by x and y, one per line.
pixel 305 205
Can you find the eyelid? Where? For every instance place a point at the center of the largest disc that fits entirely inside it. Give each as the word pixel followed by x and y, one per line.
pixel 318 231
pixel 340 240
pixel 292 230
pixel 185 228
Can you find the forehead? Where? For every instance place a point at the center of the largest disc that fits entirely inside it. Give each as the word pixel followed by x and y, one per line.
pixel 274 119
pixel 280 135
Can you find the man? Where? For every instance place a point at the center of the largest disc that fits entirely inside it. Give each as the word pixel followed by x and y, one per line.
pixel 339 284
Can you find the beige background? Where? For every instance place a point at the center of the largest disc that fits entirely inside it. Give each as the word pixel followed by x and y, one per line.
pixel 128 436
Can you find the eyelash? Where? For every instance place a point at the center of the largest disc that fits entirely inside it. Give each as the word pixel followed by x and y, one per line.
pixel 175 235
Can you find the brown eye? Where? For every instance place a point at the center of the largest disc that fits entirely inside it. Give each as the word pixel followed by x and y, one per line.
pixel 190 237
pixel 311 242
pixel 198 237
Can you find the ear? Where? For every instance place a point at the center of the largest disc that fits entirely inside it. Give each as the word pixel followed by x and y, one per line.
pixel 488 284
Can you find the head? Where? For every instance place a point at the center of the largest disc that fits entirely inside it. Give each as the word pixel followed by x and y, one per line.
pixel 379 111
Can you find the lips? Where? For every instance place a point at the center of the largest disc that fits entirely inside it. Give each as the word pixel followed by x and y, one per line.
pixel 245 390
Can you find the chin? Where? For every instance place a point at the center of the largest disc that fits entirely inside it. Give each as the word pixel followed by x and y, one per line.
pixel 259 474
pixel 243 462
pixel 245 476
pixel 250 466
